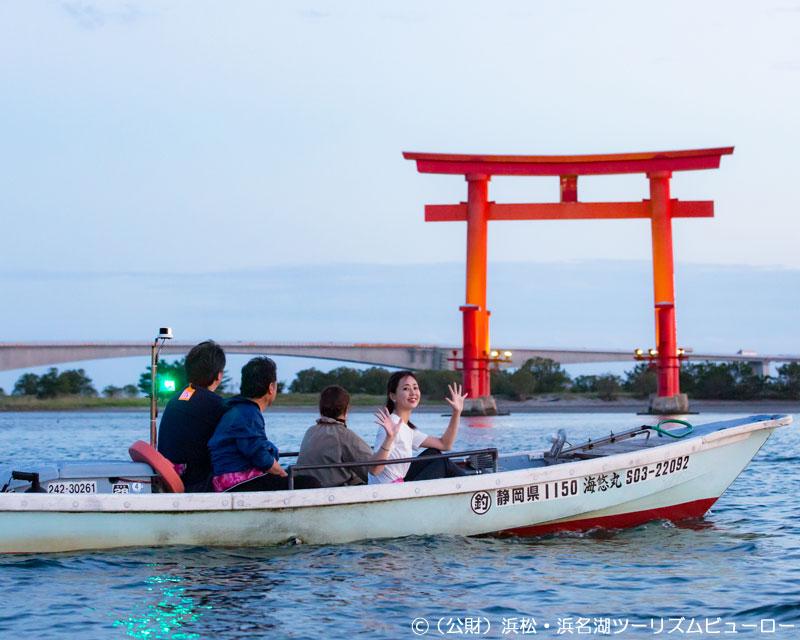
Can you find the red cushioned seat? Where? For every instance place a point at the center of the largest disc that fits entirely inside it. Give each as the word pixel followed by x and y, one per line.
pixel 140 451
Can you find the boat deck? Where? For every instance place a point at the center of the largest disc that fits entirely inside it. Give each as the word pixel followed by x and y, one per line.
pixel 631 440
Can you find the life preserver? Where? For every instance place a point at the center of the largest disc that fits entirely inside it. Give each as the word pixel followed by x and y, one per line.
pixel 140 451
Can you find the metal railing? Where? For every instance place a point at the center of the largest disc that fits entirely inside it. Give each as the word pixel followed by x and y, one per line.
pixel 379 463
pixel 611 438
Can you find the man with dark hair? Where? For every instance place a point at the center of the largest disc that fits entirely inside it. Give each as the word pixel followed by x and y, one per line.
pixel 329 441
pixel 260 378
pixel 190 417
pixel 242 456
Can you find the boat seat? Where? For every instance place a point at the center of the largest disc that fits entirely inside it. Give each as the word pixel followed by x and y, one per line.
pixel 140 451
pixel 480 463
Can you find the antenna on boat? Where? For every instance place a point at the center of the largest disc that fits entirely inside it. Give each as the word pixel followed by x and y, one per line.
pixel 164 334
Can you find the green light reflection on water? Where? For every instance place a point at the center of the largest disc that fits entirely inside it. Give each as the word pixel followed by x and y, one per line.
pixel 167 617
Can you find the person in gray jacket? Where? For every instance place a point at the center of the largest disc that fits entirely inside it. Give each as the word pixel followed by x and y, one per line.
pixel 329 441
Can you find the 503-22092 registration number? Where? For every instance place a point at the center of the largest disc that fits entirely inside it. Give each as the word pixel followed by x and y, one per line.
pixel 663 468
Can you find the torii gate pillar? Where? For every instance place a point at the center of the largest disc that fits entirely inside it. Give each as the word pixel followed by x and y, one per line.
pixel 660 209
pixel 476 315
pixel 669 398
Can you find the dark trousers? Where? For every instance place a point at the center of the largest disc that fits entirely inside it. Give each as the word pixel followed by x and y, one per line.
pixel 432 469
pixel 270 482
pixel 201 484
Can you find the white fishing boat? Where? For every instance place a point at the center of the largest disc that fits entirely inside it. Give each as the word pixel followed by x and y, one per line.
pixel 616 481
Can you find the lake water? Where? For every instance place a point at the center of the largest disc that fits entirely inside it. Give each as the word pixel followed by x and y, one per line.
pixel 735 572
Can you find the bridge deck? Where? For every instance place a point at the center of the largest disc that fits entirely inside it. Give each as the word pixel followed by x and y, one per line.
pixel 19 355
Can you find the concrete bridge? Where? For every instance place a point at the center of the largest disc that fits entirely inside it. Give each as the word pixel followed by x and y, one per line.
pixel 409 356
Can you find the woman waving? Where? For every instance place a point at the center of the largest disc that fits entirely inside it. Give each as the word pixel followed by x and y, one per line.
pixel 402 397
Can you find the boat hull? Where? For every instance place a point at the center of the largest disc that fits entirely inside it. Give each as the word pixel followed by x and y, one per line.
pixel 674 481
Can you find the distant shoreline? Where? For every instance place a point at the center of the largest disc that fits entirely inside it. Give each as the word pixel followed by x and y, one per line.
pixel 566 403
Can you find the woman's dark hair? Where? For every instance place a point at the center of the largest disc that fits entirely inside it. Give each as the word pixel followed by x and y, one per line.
pixel 204 363
pixel 334 401
pixel 257 375
pixel 391 387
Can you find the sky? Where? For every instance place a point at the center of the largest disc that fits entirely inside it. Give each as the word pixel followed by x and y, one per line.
pixel 152 148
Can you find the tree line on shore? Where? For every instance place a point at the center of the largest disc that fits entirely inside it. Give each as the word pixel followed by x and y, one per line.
pixel 702 380
pixel 72 382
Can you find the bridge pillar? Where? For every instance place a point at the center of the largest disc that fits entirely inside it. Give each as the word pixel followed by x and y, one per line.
pixel 760 367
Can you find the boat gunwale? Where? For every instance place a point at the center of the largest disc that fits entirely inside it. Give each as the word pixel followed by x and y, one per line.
pixel 371 494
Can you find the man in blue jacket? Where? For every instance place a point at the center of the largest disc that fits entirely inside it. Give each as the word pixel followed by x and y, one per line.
pixel 240 450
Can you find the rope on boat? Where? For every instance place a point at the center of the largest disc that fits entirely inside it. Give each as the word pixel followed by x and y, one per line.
pixel 663 432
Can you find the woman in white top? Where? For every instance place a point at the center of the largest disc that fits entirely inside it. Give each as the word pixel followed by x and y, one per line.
pixel 403 397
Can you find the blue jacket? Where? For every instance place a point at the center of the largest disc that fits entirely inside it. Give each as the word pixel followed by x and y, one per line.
pixel 240 440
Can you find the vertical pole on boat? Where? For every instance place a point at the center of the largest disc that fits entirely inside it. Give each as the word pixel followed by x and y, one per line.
pixel 668 396
pixel 476 373
pixel 153 396
pixel 164 334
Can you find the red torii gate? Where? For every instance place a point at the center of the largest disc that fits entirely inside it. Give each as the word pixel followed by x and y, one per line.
pixel 660 208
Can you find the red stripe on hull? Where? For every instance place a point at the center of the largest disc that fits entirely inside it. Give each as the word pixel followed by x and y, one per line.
pixel 685 511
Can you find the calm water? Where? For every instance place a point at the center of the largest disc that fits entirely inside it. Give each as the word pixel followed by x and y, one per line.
pixel 737 567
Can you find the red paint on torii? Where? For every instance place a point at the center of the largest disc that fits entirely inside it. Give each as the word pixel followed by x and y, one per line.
pixel 478 211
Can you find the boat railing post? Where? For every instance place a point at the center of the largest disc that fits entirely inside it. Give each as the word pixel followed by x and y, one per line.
pixel 291 478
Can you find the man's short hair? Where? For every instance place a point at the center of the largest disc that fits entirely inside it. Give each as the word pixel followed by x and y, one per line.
pixel 204 363
pixel 334 401
pixel 257 375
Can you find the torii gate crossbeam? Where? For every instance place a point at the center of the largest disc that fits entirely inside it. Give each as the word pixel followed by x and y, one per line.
pixel 660 208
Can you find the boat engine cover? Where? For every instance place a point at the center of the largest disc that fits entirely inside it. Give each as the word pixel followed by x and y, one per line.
pixel 86 477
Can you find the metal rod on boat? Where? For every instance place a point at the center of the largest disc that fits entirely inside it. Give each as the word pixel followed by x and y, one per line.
pixel 153 402
pixel 164 334
pixel 611 438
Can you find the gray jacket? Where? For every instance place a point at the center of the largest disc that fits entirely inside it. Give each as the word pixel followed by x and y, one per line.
pixel 330 441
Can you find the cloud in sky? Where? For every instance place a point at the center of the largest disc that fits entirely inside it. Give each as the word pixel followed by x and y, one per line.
pixel 93 15
pixel 314 14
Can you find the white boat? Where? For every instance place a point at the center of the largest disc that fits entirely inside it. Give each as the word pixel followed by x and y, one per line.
pixel 617 481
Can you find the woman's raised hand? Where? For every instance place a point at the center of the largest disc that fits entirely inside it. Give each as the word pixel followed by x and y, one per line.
pixel 384 419
pixel 456 399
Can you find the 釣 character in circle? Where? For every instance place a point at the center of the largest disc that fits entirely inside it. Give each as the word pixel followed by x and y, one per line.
pixel 481 502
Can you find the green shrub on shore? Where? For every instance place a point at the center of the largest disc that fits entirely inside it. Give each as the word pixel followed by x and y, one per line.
pixel 371 381
pixel 641 380
pixel 128 391
pixel 54 384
